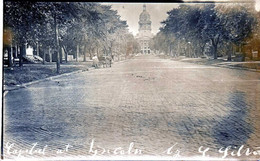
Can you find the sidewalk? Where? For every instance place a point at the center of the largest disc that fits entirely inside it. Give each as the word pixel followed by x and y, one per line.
pixel 33 73
pixel 252 65
pixel 249 65
pixel 18 77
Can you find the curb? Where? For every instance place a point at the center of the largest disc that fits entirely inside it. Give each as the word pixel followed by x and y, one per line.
pixel 239 68
pixel 224 66
pixel 24 85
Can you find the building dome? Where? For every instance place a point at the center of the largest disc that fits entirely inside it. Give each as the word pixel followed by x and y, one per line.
pixel 144 34
pixel 144 16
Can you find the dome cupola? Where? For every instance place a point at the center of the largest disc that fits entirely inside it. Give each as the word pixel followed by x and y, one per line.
pixel 144 36
pixel 144 16
pixel 144 20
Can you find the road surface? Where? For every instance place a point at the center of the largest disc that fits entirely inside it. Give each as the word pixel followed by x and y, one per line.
pixel 142 106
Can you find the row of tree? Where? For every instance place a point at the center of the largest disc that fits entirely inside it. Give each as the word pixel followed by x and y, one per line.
pixel 192 30
pixel 76 28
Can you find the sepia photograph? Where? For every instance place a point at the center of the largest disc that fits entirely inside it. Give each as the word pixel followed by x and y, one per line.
pixel 115 80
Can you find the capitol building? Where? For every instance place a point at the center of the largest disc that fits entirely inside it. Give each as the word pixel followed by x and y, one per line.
pixel 145 33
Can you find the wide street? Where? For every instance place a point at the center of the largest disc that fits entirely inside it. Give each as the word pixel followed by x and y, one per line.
pixel 151 102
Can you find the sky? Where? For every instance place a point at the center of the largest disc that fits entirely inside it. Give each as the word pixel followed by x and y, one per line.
pixel 131 11
pixel 158 12
pixel 257 5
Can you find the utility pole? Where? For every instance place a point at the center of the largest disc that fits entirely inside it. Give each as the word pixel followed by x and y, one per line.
pixel 57 44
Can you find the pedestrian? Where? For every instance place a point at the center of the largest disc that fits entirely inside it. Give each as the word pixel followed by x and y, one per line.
pixel 110 60
pixel 95 61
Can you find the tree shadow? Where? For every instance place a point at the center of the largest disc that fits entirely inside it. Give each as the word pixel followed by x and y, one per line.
pixel 233 130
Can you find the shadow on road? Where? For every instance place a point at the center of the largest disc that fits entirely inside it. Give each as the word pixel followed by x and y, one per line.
pixel 233 130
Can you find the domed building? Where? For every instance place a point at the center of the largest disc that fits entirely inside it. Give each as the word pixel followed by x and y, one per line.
pixel 144 34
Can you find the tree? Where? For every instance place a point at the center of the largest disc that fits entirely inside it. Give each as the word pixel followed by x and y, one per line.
pixel 74 27
pixel 22 18
pixel 194 26
pixel 238 23
pixel 213 29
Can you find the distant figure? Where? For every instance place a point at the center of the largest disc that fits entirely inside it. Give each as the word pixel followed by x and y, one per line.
pixel 112 57
pixel 95 61
pixel 109 60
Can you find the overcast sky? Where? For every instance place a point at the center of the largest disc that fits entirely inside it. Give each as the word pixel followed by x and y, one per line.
pixel 131 11
pixel 158 12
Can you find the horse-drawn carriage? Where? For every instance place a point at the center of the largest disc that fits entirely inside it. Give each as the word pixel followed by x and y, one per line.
pixel 104 61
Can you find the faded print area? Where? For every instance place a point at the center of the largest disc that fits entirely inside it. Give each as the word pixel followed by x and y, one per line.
pixel 102 80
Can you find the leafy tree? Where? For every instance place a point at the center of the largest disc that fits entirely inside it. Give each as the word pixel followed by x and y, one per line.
pixel 74 27
pixel 193 26
pixel 238 23
pixel 23 18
